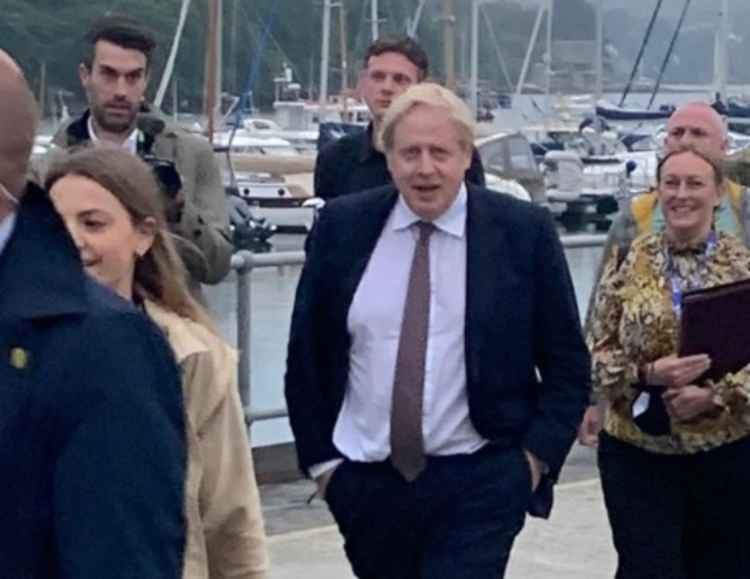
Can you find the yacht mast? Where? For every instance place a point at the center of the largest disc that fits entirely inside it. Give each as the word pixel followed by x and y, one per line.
pixel 211 73
pixel 324 53
pixel 449 46
pixel 599 56
pixel 530 50
pixel 721 52
pixel 344 56
pixel 169 67
pixel 474 81
pixel 411 29
pixel 374 19
pixel 548 56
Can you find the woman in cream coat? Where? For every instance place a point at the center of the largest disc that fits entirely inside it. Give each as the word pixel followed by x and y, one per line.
pixel 111 205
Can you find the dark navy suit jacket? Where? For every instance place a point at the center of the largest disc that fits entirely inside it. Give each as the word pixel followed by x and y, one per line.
pixel 92 444
pixel 521 315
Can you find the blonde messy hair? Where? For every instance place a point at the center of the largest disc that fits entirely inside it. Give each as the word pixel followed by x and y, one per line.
pixel 430 95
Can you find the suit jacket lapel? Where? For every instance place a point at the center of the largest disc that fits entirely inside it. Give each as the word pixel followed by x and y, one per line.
pixel 362 234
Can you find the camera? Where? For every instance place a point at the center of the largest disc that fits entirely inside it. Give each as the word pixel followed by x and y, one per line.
pixel 166 174
pixel 165 171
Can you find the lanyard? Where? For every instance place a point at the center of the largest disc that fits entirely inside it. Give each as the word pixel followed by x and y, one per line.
pixel 676 280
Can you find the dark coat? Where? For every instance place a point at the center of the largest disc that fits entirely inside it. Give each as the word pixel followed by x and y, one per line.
pixel 92 449
pixel 521 315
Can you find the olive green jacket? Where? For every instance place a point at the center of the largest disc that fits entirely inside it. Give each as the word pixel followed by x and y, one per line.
pixel 202 228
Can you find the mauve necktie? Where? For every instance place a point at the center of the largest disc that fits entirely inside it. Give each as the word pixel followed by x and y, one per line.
pixel 407 445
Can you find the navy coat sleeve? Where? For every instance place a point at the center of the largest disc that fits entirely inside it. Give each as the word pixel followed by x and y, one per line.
pixel 326 172
pixel 120 474
pixel 560 352
pixel 312 414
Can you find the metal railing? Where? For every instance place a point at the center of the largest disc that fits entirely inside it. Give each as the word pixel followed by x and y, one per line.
pixel 244 262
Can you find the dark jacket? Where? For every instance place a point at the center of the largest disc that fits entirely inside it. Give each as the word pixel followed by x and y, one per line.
pixel 351 164
pixel 92 449
pixel 521 315
pixel 203 223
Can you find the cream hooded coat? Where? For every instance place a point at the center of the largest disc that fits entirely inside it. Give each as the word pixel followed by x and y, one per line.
pixel 226 537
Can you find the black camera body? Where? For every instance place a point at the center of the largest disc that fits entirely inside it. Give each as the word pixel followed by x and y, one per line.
pixel 165 171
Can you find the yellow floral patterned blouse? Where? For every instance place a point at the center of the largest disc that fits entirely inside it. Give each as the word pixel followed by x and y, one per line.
pixel 634 324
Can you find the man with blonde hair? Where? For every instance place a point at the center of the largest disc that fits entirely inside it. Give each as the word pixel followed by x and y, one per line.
pixel 92 449
pixel 423 312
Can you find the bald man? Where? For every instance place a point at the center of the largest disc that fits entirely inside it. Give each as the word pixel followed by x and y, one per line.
pixel 697 124
pixel 92 450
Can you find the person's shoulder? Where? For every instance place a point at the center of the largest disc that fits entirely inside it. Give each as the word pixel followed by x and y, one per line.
pixel 109 353
pixel 187 337
pixel 341 150
pixel 70 132
pixel 505 207
pixel 642 205
pixel 208 363
pixel 114 324
pixel 361 200
pixel 733 245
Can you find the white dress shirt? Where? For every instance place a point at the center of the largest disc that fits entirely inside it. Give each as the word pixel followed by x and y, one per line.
pixel 6 228
pixel 362 430
pixel 130 144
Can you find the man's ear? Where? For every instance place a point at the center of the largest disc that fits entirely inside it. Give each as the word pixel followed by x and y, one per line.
pixel 83 74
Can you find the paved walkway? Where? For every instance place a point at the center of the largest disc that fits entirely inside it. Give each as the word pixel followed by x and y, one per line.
pixel 574 544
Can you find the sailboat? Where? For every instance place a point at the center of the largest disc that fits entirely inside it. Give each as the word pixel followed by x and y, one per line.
pixel 620 113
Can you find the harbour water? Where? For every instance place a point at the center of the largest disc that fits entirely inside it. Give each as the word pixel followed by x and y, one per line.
pixel 272 298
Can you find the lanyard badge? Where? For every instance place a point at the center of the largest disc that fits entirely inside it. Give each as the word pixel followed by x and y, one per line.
pixel 676 280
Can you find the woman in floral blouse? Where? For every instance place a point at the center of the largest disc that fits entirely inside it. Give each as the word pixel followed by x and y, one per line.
pixel 674 456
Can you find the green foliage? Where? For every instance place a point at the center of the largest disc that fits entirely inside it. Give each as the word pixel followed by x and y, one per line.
pixel 260 35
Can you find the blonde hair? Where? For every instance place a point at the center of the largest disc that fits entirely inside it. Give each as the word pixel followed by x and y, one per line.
pixel 430 95
pixel 159 274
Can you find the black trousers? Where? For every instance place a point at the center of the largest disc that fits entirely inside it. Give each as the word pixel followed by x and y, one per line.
pixel 678 517
pixel 457 520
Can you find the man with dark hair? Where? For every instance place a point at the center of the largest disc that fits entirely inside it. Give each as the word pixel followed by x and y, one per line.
pixel 92 433
pixel 356 162
pixel 115 76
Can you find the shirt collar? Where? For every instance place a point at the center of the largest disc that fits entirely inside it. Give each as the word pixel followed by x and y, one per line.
pixel 131 143
pixel 6 228
pixel 452 222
